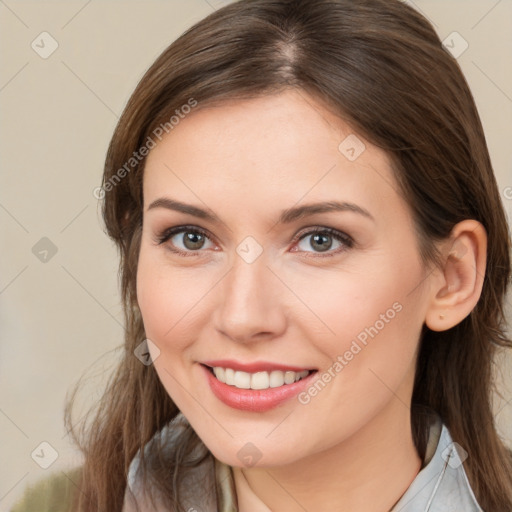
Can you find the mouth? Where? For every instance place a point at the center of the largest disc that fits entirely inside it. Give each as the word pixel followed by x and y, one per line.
pixel 259 390
pixel 259 380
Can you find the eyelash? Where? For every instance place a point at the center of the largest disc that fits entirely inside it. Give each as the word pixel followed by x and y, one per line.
pixel 165 235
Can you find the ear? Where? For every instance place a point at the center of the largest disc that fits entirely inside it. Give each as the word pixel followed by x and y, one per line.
pixel 457 286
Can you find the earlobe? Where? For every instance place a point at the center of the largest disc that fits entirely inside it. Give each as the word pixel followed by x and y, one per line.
pixel 456 287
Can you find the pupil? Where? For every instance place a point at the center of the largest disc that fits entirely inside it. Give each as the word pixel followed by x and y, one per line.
pixel 317 238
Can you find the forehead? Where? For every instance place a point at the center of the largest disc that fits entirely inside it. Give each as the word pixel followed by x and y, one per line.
pixel 278 149
pixel 250 128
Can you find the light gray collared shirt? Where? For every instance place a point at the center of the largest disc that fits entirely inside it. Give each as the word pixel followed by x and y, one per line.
pixel 440 486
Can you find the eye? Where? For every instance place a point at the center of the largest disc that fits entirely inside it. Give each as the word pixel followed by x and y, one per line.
pixel 321 241
pixel 191 238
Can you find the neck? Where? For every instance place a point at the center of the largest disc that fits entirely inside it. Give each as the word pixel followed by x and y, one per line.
pixel 367 472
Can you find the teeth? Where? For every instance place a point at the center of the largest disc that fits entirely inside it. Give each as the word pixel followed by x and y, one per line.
pixel 258 380
pixel 230 376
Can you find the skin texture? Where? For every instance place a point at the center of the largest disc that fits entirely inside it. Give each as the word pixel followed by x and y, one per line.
pixel 246 161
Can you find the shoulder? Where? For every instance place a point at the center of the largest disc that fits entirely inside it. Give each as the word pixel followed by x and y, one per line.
pixel 442 484
pixel 54 493
pixel 453 488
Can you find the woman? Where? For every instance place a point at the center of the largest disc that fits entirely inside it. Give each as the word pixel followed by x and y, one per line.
pixel 314 259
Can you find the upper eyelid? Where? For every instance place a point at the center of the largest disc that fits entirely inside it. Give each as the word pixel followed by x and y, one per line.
pixel 304 230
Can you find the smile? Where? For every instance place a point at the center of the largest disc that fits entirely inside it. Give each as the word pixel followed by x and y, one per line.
pixel 256 391
pixel 258 380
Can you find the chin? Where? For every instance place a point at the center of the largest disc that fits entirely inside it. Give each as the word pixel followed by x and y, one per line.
pixel 252 454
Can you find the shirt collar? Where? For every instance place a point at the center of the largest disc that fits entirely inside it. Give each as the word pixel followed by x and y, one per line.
pixel 442 484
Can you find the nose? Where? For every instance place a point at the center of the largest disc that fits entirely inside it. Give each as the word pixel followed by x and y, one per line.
pixel 250 302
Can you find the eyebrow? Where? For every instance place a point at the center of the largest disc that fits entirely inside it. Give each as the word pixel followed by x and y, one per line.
pixel 287 216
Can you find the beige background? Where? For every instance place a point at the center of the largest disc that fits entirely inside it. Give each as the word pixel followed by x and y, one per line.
pixel 59 317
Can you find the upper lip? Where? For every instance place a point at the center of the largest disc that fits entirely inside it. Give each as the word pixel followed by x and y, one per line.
pixel 257 366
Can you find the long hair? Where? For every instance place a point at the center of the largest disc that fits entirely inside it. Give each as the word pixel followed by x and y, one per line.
pixel 380 66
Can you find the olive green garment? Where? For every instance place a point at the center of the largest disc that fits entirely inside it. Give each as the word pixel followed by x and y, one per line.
pixel 54 493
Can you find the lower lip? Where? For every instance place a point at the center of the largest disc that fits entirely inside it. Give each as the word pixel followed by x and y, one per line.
pixel 255 400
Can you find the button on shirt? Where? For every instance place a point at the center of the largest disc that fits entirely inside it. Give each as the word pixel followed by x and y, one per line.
pixel 440 486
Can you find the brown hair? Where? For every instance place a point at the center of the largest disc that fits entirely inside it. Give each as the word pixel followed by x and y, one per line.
pixel 379 65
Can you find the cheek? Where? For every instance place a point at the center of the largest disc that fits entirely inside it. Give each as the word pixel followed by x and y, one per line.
pixel 377 321
pixel 370 318
pixel 160 303
pixel 167 316
pixel 344 305
pixel 171 300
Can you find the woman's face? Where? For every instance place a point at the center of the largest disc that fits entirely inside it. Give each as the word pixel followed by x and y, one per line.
pixel 257 284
